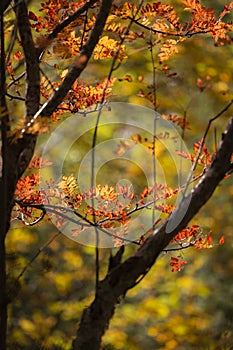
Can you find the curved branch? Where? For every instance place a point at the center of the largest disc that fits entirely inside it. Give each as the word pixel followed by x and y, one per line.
pixel 70 19
pixel 119 280
pixel 174 34
pixel 219 114
pixel 81 62
pixel 78 66
pixel 60 211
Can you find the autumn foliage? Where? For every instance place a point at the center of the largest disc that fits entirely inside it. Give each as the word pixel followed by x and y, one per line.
pixel 56 42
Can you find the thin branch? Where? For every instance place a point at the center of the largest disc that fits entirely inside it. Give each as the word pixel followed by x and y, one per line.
pixel 31 59
pixel 94 140
pixel 154 128
pixel 84 29
pixel 211 120
pixel 34 222
pixel 12 42
pixel 77 67
pixel 146 205
pixel 15 80
pixel 190 244
pixel 13 97
pixel 126 31
pixel 119 280
pixel 40 250
pixel 68 21
pixel 155 31
pixel 54 209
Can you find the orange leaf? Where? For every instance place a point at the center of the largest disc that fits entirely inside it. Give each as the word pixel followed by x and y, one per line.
pixel 222 240
pixel 209 239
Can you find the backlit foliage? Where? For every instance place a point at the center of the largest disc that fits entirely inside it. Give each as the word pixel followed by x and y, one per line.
pixel 163 33
pixel 34 199
pixel 168 30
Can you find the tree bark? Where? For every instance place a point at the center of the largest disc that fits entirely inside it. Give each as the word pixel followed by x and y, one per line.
pixel 4 203
pixel 17 153
pixel 3 6
pixel 121 278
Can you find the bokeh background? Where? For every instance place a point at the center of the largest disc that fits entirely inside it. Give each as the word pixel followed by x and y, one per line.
pixel 190 309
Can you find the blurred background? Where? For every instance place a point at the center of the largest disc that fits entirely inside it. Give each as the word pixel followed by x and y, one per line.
pixel 190 309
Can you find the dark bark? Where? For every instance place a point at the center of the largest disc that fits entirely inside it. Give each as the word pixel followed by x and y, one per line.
pixel 4 211
pixel 17 153
pixel 70 19
pixel 123 276
pixel 31 59
pixel 81 62
pixel 16 156
pixel 3 6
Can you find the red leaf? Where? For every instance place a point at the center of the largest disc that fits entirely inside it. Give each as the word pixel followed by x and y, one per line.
pixel 222 240
pixel 209 239
pixel 32 16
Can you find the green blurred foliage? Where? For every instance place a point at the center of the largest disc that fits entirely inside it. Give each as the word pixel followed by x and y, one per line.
pixel 191 309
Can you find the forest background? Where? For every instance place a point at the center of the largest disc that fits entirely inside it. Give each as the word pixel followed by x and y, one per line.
pixel 188 309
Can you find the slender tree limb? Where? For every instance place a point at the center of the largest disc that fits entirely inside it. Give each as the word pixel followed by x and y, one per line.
pixel 61 211
pixel 57 30
pixel 94 139
pixel 39 251
pixel 31 59
pixel 15 80
pixel 119 280
pixel 70 19
pixel 23 149
pixel 19 98
pixel 78 66
pixel 172 33
pixel 211 120
pixel 11 44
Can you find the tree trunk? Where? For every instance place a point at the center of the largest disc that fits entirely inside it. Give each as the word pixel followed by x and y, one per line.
pixel 17 153
pixel 125 275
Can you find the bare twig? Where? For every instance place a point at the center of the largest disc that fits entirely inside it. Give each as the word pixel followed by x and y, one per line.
pixel 13 97
pixel 12 42
pixel 174 34
pixel 40 250
pixel 211 120
pixel 182 247
pixel 15 80
pixel 154 92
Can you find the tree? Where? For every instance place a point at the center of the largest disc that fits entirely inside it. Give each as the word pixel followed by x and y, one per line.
pixel 67 34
